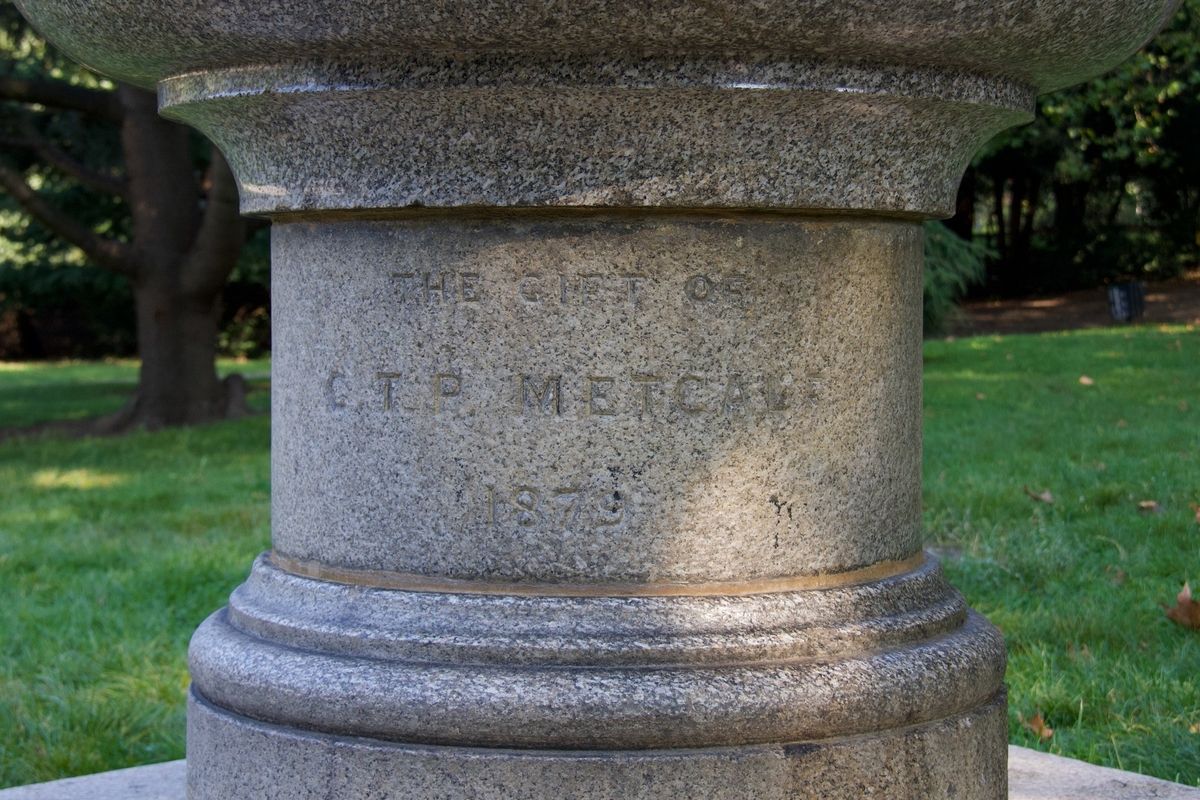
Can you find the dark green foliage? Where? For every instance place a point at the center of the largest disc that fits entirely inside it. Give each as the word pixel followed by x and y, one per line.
pixel 1105 184
pixel 67 306
pixel 952 265
pixel 54 302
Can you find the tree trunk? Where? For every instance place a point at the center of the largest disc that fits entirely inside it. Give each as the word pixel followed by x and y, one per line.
pixel 185 241
pixel 183 258
pixel 178 383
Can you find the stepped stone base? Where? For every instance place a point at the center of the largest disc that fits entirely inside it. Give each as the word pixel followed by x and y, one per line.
pixel 1031 776
pixel 961 757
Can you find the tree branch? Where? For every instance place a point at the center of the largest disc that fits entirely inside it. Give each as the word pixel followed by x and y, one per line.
pixel 222 233
pixel 108 253
pixel 62 95
pixel 57 157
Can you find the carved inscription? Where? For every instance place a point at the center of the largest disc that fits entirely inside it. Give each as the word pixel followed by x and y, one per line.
pixel 538 395
pixel 535 505
pixel 439 288
pixel 705 289
pixel 580 288
pixel 434 289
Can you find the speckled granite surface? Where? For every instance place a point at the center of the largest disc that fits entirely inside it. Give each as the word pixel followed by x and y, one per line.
pixel 1045 44
pixel 493 131
pixel 597 401
pixel 819 105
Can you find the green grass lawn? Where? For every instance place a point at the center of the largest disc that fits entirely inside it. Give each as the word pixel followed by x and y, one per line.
pixel 1076 585
pixel 113 550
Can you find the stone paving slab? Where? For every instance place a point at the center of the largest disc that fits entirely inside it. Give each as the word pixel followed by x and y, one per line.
pixel 154 782
pixel 1032 776
pixel 1041 776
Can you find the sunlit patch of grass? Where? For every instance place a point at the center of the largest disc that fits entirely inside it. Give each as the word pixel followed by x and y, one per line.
pixel 1076 585
pixel 74 479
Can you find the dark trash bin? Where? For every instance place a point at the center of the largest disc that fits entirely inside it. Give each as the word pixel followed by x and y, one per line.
pixel 1127 300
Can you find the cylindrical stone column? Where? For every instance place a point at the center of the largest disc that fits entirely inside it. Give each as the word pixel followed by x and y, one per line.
pixel 596 387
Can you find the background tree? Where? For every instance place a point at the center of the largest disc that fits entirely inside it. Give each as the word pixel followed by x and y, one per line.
pixel 141 197
pixel 1105 183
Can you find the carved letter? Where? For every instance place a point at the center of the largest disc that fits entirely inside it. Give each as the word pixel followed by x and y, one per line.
pixel 631 281
pixel 530 288
pixel 335 389
pixel 387 378
pixel 776 397
pixel 583 285
pixel 400 278
pixel 470 287
pixel 445 384
pixel 573 495
pixel 526 502
pixel 647 381
pixel 598 400
pixel 611 508
pixel 736 286
pixel 439 288
pixel 735 398
pixel 681 394
pixel 549 399
pixel 698 287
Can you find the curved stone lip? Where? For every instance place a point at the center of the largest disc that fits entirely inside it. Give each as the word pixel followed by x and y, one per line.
pixel 597 707
pixel 500 71
pixel 408 582
pixel 343 140
pixel 672 630
pixel 1048 45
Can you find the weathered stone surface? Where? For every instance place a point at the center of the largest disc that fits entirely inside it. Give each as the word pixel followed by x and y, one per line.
pixel 961 758
pixel 1041 776
pixel 681 134
pixel 599 402
pixel 784 105
pixel 1041 44
pixel 752 684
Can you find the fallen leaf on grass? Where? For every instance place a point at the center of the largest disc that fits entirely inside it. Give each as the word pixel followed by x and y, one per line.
pixel 1086 381
pixel 981 396
pixel 1186 611
pixel 1195 728
pixel 1196 508
pixel 1079 654
pixel 1149 507
pixel 1037 725
pixel 1045 496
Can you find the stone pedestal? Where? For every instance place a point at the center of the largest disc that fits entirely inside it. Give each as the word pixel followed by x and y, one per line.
pixel 596 388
